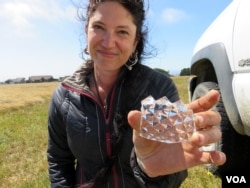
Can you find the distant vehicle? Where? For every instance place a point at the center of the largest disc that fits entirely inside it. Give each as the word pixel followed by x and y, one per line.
pixel 221 61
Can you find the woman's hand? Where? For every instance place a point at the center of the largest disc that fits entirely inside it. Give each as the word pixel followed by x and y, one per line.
pixel 156 158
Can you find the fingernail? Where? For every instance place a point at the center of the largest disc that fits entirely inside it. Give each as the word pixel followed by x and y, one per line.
pixel 199 119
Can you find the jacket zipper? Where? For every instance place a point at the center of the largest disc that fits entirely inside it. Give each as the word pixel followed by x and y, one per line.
pixel 107 115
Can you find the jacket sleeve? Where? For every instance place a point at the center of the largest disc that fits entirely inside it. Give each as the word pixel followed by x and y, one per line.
pixel 169 181
pixel 60 158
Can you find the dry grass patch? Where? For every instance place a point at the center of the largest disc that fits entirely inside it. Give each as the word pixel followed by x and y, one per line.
pixel 15 96
pixel 181 83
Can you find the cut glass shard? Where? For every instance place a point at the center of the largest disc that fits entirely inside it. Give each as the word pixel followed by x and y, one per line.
pixel 164 121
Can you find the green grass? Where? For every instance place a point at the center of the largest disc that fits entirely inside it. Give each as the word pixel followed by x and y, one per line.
pixel 23 143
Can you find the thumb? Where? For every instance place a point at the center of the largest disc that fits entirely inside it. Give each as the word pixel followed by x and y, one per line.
pixel 134 119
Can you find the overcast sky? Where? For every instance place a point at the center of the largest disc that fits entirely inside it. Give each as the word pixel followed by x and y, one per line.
pixel 44 37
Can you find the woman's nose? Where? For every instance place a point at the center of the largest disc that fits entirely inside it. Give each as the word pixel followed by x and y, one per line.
pixel 108 40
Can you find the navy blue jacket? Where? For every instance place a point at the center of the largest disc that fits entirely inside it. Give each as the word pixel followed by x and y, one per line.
pixel 85 140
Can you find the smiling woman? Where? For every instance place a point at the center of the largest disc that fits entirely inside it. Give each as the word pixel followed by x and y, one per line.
pixel 94 121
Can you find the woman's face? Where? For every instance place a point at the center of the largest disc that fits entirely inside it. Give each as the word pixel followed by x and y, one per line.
pixel 111 36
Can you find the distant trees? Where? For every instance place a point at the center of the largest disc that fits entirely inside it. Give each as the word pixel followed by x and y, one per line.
pixel 185 72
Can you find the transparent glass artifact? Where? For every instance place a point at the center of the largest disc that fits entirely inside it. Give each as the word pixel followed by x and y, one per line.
pixel 164 121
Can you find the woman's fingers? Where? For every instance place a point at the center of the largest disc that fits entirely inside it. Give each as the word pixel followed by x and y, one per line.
pixel 206 119
pixel 134 119
pixel 205 137
pixel 206 102
pixel 213 157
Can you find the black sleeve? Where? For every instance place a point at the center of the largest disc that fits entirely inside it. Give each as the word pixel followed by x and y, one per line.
pixel 168 181
pixel 60 158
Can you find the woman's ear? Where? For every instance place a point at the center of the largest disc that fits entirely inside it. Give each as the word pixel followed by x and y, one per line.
pixel 135 45
pixel 137 39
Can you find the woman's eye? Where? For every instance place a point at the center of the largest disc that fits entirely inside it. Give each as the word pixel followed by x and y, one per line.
pixel 97 27
pixel 123 32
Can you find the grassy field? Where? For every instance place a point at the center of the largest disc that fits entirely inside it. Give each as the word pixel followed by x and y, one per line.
pixel 23 137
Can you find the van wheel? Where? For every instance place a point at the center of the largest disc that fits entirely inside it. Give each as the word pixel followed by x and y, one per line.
pixel 234 145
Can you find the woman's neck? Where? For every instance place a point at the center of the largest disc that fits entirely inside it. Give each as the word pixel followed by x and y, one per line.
pixel 101 84
pixel 105 80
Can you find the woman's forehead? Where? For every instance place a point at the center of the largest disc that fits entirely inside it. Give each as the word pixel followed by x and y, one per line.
pixel 113 12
